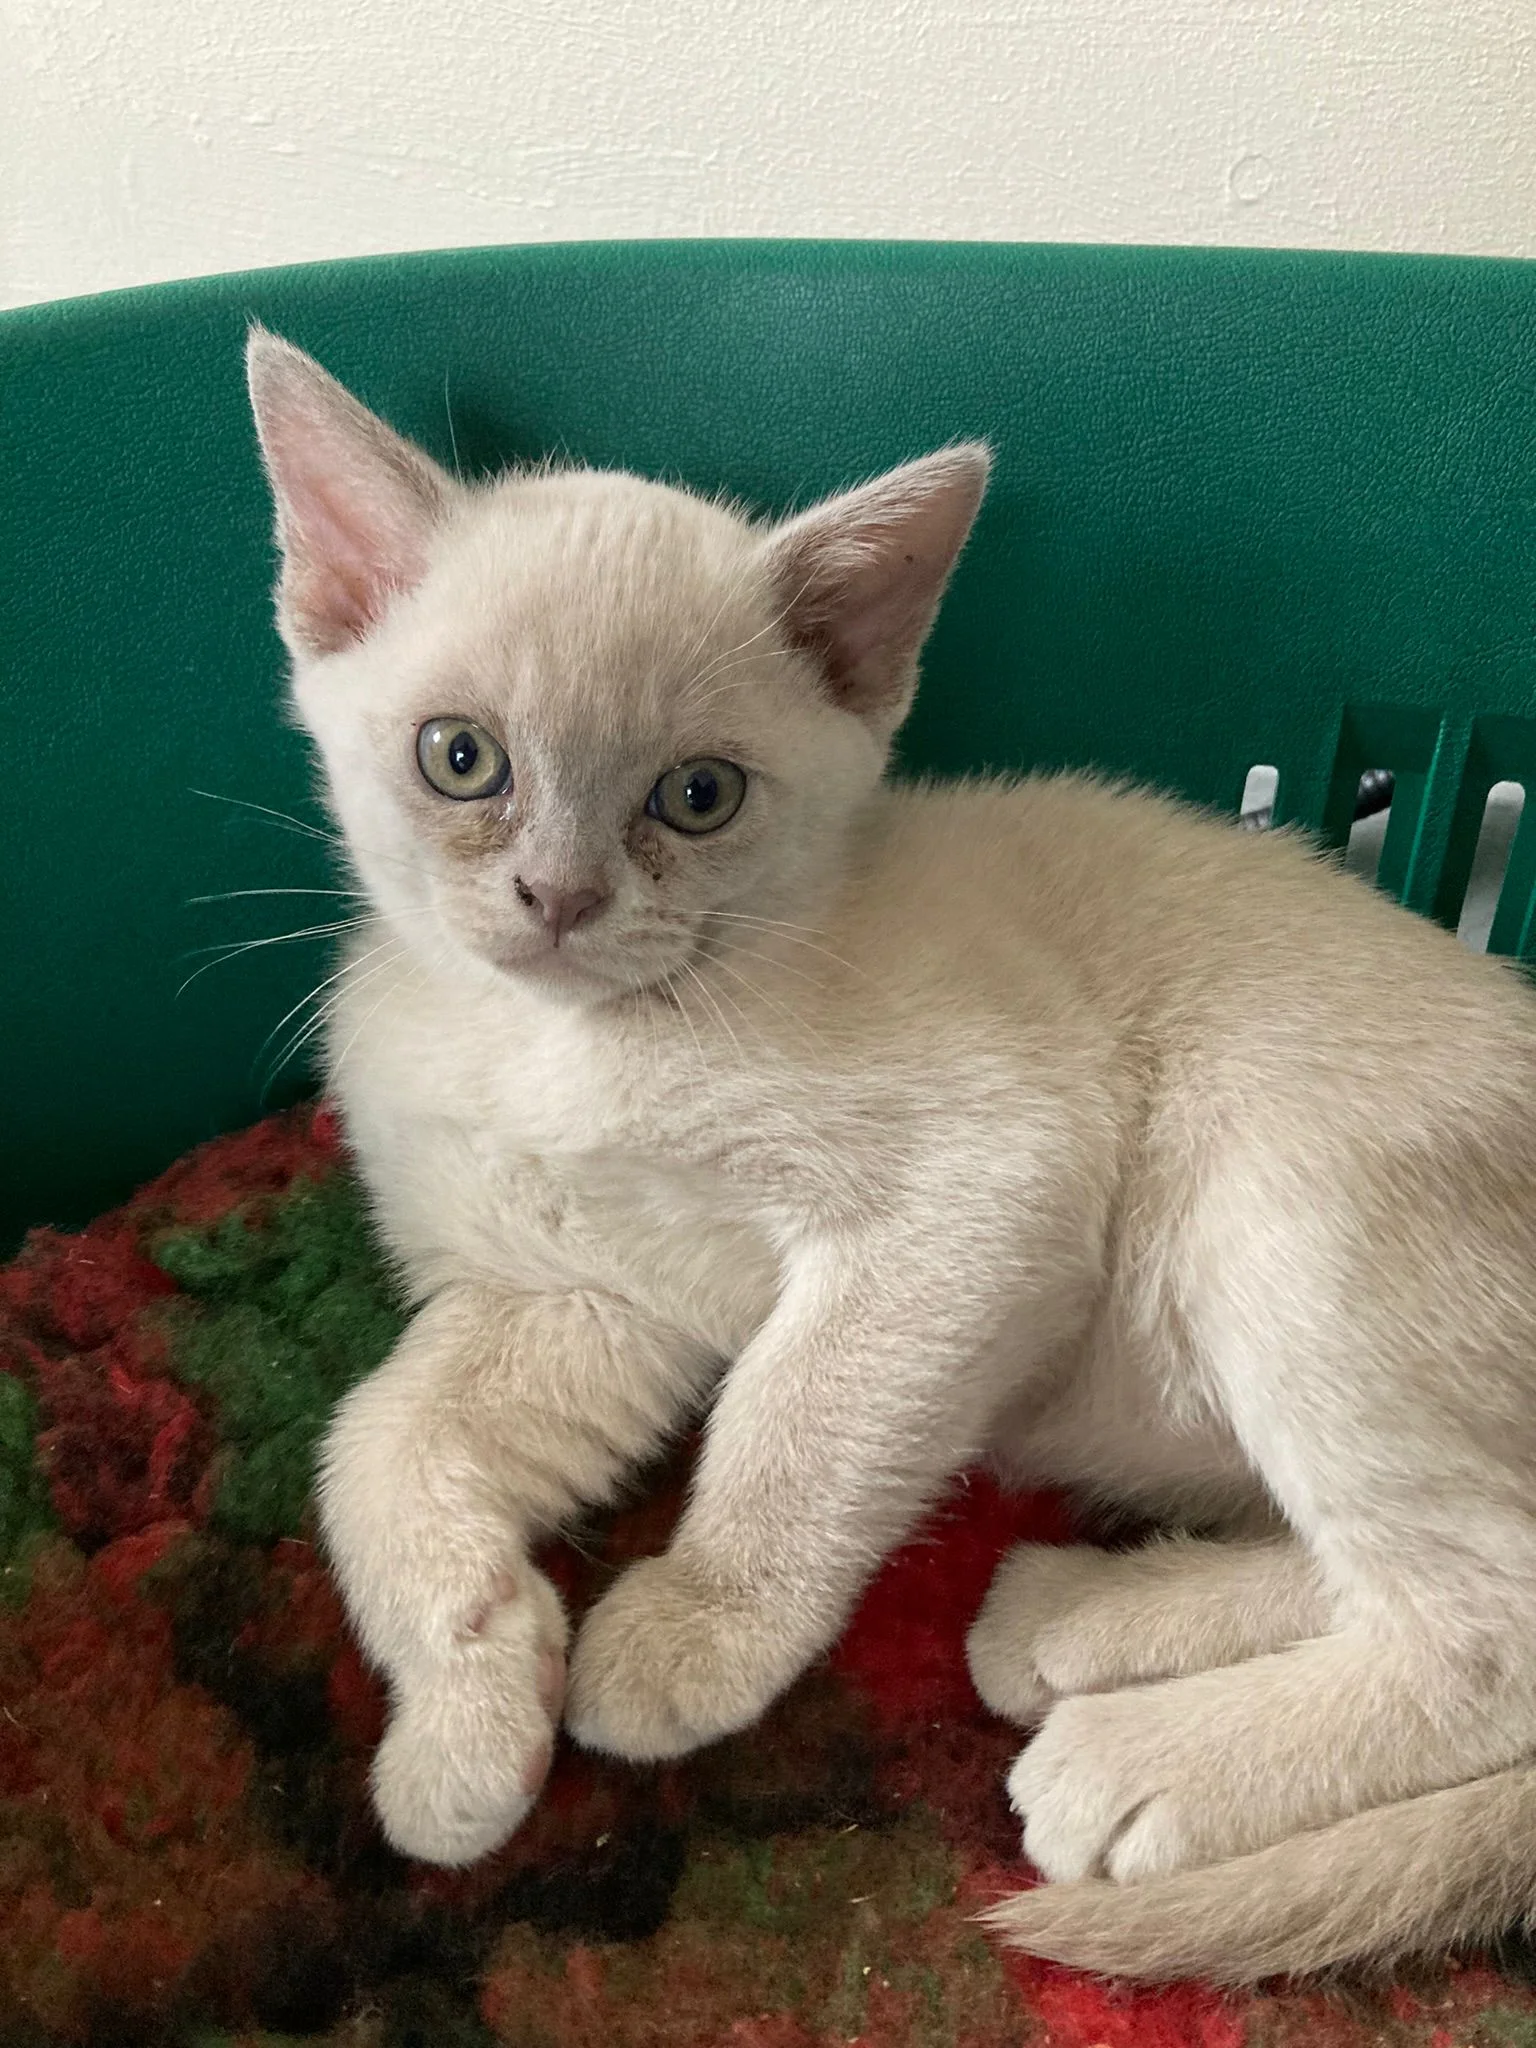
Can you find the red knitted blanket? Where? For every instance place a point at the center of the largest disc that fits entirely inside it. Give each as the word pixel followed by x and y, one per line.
pixel 186 1851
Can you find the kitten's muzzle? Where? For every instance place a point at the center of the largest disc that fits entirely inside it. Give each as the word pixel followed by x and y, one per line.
pixel 562 909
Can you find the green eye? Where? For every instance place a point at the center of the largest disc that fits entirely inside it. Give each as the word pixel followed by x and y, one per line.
pixel 699 796
pixel 461 760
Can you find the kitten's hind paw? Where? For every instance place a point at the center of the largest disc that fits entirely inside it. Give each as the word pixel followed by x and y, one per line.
pixel 1020 1648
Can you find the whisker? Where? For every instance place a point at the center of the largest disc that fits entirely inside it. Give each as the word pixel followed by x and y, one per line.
pixel 324 1012
pixel 723 689
pixel 698 1043
pixel 734 589
pixel 309 931
pixel 232 950
pixel 228 895
pixel 789 935
pixel 311 1028
pixel 779 923
pixel 659 1046
pixel 741 953
pixel 727 658
pixel 284 818
pixel 427 967
pixel 795 1021
pixel 710 997
pixel 330 980
pixel 716 1012
pixel 287 823
pixel 453 439
pixel 224 953
pixel 666 994
pixel 305 1035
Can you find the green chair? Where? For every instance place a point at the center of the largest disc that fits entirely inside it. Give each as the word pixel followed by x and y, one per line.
pixel 1249 508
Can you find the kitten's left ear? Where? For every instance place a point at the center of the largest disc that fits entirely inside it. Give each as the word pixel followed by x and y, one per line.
pixel 860 576
pixel 356 504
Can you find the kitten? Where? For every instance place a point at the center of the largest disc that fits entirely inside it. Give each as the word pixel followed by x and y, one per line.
pixel 689 1063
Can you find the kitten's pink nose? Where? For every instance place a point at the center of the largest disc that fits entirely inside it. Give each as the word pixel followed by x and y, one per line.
pixel 563 908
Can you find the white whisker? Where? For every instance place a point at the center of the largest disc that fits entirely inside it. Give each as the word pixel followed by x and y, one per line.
pixel 779 923
pixel 453 439
pixel 698 1043
pixel 288 823
pixel 795 1021
pixel 311 1028
pixel 664 994
pixel 767 960
pixel 733 591
pixel 714 998
pixel 330 980
pixel 233 952
pixel 228 895
pixel 770 928
pixel 697 703
pixel 717 667
pixel 715 1010
pixel 308 931
pixel 283 818
pixel 396 988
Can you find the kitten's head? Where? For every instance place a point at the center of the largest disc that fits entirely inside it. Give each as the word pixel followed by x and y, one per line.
pixel 574 723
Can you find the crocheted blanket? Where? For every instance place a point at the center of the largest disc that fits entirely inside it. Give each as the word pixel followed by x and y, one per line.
pixel 186 1850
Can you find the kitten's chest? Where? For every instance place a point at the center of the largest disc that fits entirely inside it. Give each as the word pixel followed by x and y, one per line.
pixel 535 1151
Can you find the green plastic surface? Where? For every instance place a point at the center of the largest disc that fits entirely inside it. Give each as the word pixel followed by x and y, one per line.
pixel 1249 507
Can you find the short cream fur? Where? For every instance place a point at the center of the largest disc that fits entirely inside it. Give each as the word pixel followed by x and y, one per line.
pixel 897 1128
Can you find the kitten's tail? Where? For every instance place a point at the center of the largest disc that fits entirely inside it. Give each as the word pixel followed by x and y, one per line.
pixel 1451 1866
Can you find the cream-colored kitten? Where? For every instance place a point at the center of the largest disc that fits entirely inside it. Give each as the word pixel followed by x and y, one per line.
pixel 690 1063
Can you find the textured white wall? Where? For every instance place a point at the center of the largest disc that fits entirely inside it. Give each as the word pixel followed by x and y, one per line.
pixel 143 139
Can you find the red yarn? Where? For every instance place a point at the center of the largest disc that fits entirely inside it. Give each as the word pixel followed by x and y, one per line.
pixel 207 1183
pixel 356 1698
pixel 122 1450
pixel 119 1567
pixel 325 1131
pixel 123 1446
pixel 134 1960
pixel 81 1289
pixel 905 1646
pixel 304 1609
pixel 774 2030
pixel 1081 2012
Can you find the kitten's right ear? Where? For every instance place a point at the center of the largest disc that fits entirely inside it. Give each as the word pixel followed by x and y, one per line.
pixel 356 504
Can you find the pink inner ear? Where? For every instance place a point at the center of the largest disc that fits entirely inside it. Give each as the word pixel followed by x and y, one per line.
pixel 346 558
pixel 356 504
pixel 885 603
pixel 333 612
pixel 863 576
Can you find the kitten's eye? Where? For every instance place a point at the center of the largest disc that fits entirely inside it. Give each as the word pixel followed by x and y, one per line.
pixel 700 796
pixel 461 760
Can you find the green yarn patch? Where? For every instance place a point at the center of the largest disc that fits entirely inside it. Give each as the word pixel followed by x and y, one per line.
pixel 25 1513
pixel 290 1306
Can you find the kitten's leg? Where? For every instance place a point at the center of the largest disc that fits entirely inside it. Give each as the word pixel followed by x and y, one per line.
pixel 1153 1779
pixel 1388 1411
pixel 493 1418
pixel 1061 1619
pixel 877 1376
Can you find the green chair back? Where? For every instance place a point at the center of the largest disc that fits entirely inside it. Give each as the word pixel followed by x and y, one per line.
pixel 1250 507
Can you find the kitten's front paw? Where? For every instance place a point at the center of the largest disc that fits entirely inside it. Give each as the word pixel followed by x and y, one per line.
pixel 1107 1789
pixel 663 1665
pixel 470 1738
